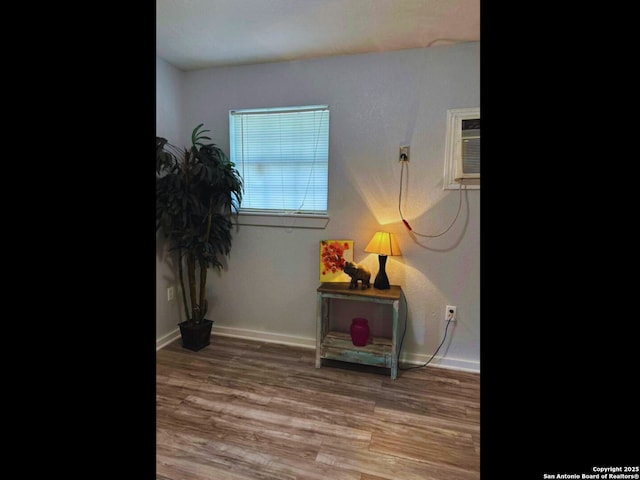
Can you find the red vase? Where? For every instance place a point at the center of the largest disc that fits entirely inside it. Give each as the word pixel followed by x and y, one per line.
pixel 359 332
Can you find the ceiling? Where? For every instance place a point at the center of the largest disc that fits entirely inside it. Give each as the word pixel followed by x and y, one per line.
pixel 195 34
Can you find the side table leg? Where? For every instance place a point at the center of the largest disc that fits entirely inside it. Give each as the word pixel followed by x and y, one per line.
pixel 318 328
pixel 394 341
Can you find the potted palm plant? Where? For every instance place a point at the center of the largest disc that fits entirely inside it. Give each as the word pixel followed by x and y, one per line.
pixel 197 189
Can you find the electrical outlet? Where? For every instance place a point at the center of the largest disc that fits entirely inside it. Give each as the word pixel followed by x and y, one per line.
pixel 450 310
pixel 404 153
pixel 170 294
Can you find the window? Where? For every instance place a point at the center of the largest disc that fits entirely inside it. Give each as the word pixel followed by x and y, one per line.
pixel 282 155
pixel 462 149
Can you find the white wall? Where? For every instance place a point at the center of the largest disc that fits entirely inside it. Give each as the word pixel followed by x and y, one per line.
pixel 378 102
pixel 169 124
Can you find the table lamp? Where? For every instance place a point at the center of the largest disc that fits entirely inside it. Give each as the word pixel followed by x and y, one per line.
pixel 384 244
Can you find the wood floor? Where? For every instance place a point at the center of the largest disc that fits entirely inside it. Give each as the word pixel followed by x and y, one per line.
pixel 241 409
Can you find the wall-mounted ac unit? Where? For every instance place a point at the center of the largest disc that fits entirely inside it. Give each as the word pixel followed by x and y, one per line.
pixel 462 149
pixel 468 154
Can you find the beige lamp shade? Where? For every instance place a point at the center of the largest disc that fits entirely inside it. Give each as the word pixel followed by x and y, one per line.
pixel 383 243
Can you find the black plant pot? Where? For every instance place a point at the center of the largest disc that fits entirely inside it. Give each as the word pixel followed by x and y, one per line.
pixel 196 336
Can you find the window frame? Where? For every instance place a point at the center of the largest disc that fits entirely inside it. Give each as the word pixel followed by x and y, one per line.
pixel 455 116
pixel 276 217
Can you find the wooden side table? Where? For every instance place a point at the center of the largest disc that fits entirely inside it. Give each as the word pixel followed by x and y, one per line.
pixel 336 345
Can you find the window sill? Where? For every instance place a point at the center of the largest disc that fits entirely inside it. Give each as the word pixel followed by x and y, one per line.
pixel 468 185
pixel 284 220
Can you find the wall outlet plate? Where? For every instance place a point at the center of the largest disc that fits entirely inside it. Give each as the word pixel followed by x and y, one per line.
pixel 448 310
pixel 403 156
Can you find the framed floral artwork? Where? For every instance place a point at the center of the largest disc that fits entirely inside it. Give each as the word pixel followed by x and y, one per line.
pixel 333 256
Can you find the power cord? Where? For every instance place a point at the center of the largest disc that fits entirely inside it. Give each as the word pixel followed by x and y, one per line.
pixel 403 158
pixel 449 317
pixel 406 223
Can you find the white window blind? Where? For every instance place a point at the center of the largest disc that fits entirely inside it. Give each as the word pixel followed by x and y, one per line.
pixel 283 157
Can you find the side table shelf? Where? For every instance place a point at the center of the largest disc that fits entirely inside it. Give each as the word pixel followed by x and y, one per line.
pixel 336 345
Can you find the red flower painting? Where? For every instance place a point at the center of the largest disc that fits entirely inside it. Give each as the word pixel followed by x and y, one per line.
pixel 333 256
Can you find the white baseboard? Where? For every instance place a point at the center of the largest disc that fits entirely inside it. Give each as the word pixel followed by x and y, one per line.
pixel 246 334
pixel 441 362
pixel 167 339
pixel 308 342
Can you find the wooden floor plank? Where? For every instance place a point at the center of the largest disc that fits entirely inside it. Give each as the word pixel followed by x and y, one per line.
pixel 366 476
pixel 439 446
pixel 392 416
pixel 241 409
pixel 279 440
pixel 246 411
pixel 249 462
pixel 389 466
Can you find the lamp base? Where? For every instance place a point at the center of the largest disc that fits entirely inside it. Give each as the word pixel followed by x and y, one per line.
pixel 382 281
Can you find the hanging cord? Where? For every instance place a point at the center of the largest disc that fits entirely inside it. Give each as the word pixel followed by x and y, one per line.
pixel 406 223
pixel 405 331
pixel 315 151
